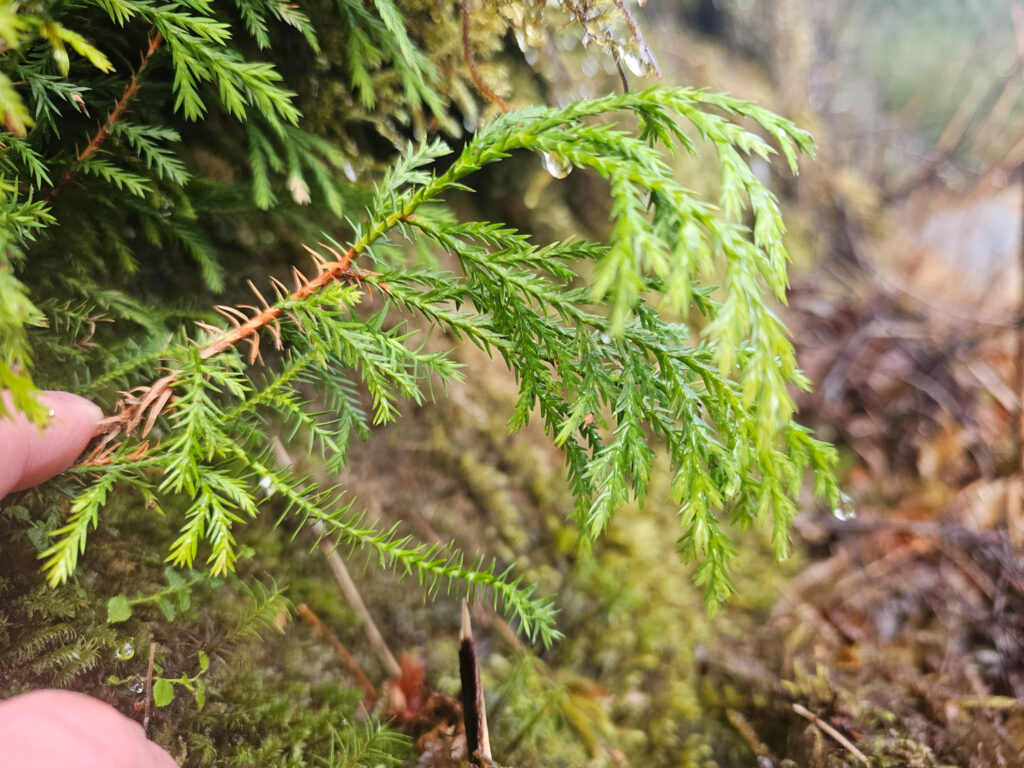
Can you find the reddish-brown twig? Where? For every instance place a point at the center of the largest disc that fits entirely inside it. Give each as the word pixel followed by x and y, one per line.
pixel 474 72
pixel 142 405
pixel 330 272
pixel 343 655
pixel 115 115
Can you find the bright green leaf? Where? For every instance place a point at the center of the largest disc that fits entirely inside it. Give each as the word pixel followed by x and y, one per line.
pixel 118 609
pixel 163 692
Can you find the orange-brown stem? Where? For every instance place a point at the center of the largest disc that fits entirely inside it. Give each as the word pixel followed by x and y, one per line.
pixel 142 405
pixel 474 72
pixel 115 115
pixel 332 272
pixel 344 656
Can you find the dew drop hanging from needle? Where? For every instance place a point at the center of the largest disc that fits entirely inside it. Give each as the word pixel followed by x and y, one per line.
pixel 637 64
pixel 555 164
pixel 845 509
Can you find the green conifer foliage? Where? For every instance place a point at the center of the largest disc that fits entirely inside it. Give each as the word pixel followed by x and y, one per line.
pixel 146 140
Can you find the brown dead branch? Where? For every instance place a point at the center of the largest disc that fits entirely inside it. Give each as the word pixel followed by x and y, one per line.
pixel 848 745
pixel 478 740
pixel 143 404
pixel 115 115
pixel 471 65
pixel 346 658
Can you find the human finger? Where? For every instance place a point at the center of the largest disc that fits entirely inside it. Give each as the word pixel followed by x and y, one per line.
pixel 28 455
pixel 49 728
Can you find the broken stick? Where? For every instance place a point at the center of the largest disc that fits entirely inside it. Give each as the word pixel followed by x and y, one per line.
pixel 478 741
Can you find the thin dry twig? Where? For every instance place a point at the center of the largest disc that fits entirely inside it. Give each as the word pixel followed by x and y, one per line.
pixel 474 712
pixel 990 702
pixel 148 691
pixel 115 115
pixel 348 586
pixel 471 65
pixel 355 600
pixel 848 745
pixel 747 733
pixel 622 73
pixel 346 658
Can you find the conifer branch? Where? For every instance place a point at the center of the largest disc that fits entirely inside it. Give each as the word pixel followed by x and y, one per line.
pixel 115 115
pixel 328 272
pixel 612 386
pixel 147 402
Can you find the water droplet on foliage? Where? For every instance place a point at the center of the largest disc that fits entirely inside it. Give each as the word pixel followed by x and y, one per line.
pixel 555 164
pixel 136 685
pixel 125 652
pixel 638 65
pixel 845 509
pixel 267 486
pixel 732 487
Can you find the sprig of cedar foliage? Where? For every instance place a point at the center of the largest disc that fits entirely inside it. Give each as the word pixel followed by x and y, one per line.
pixel 603 363
pixel 608 385
pixel 148 198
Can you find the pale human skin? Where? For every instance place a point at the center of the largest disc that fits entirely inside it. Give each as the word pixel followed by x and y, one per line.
pixel 30 456
pixel 64 729
pixel 49 728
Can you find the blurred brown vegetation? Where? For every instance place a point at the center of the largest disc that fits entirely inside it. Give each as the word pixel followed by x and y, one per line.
pixel 903 635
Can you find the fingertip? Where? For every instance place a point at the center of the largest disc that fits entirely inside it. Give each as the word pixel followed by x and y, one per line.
pixel 49 728
pixel 81 413
pixel 156 757
pixel 72 424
